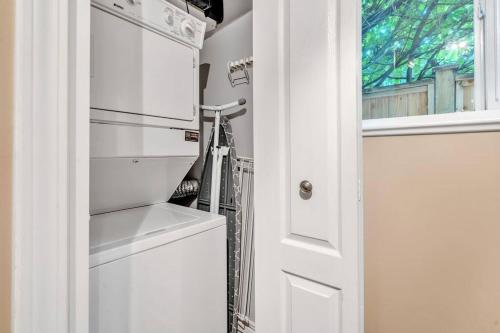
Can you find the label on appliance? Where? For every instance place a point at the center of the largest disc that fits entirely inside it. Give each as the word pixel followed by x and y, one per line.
pixel 192 136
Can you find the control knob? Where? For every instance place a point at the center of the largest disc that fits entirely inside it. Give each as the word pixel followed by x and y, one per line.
pixel 187 28
pixel 169 16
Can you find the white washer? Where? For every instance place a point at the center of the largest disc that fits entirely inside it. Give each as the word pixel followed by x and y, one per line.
pixel 159 268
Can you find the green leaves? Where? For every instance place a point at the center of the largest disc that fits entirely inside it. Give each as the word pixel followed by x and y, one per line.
pixel 403 40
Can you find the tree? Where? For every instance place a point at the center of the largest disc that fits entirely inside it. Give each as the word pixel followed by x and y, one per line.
pixel 403 40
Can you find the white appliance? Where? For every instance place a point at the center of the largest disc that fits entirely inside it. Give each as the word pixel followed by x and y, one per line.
pixel 158 268
pixel 154 266
pixel 195 11
pixel 144 61
pixel 144 101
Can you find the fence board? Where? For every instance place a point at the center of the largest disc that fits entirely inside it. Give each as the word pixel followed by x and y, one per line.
pixel 414 99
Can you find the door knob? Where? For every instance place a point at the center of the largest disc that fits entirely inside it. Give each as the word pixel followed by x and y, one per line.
pixel 306 189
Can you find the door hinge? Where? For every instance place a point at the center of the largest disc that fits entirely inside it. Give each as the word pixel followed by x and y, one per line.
pixel 480 11
pixel 360 197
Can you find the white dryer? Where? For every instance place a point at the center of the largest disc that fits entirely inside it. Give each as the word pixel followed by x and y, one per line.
pixel 154 266
pixel 144 101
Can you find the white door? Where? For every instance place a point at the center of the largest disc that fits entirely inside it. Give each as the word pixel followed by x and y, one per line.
pixel 307 148
pixel 135 70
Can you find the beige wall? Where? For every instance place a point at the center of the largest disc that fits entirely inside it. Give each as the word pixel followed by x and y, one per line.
pixel 6 108
pixel 432 233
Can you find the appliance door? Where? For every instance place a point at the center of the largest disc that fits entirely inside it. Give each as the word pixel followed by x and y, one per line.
pixel 138 71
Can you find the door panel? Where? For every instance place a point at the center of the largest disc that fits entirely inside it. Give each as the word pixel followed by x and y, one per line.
pixel 304 295
pixel 307 128
pixel 314 120
pixel 311 247
pixel 312 261
pixel 138 71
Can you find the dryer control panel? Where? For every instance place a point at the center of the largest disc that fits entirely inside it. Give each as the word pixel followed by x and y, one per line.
pixel 160 16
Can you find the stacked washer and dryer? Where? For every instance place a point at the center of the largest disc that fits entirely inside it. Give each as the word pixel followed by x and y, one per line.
pixel 154 266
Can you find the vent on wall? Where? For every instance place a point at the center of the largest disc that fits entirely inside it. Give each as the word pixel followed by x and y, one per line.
pixel 213 9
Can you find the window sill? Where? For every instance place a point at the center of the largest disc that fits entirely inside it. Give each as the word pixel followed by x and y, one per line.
pixel 462 122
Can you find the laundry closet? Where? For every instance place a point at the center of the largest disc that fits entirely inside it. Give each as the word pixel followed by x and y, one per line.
pixel 171 166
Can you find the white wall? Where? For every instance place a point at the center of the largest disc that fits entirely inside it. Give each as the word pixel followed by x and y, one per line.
pixel 232 42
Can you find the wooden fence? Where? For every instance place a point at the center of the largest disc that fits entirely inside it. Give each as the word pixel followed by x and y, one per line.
pixel 446 93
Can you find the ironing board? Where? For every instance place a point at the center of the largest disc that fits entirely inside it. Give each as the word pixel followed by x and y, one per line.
pixel 230 206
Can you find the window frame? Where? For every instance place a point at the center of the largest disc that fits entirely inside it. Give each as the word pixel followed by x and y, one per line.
pixel 480 120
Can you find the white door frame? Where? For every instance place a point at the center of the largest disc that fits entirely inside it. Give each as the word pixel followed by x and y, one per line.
pixel 50 210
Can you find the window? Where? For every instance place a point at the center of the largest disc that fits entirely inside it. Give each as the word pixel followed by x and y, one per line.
pixel 418 57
